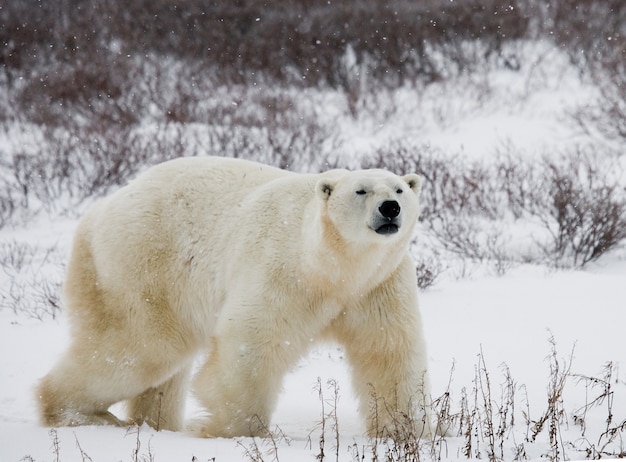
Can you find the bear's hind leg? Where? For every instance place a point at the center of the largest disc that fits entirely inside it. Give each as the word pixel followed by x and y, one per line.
pixel 162 407
pixel 83 383
pixel 67 398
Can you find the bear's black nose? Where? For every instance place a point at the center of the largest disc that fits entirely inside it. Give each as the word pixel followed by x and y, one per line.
pixel 389 209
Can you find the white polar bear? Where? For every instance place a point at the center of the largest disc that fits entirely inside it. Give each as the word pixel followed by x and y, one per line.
pixel 251 264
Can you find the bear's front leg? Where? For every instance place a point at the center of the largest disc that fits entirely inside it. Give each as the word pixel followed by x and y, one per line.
pixel 383 339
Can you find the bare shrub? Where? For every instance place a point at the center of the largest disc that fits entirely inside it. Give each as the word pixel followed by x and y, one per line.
pixel 488 426
pixel 260 448
pixel 329 421
pixel 61 92
pixel 34 282
pixel 72 165
pixel 605 397
pixel 8 204
pixel 605 117
pixel 270 126
pixel 484 422
pixel 587 29
pixel 245 41
pixel 600 393
pixel 578 199
pixel 429 265
pixel 586 210
pixel 86 154
pixel 310 148
pixel 15 256
pixel 35 296
pixel 592 32
pixel 452 183
pixel 554 414
pixel 407 437
pixel 463 205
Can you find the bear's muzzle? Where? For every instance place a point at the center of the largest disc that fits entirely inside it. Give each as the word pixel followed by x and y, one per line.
pixel 388 222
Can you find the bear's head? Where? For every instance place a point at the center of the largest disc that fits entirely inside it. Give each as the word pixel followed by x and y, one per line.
pixel 370 205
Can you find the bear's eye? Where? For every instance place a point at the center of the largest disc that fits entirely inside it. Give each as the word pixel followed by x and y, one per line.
pixel 361 192
pixel 399 191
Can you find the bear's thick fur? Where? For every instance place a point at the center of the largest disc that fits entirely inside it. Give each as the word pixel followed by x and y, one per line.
pixel 251 264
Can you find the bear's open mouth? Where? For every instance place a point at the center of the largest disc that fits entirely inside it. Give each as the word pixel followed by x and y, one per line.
pixel 388 228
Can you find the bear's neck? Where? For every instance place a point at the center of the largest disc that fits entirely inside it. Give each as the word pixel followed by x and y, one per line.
pixel 337 264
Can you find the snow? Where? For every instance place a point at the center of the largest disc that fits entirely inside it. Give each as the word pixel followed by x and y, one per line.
pixel 509 320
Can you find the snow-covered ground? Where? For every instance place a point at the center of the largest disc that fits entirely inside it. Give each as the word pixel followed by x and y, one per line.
pixel 508 320
pixel 536 322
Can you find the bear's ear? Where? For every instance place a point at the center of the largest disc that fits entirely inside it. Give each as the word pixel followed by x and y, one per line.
pixel 324 188
pixel 414 181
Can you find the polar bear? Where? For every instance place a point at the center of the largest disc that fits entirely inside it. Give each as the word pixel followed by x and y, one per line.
pixel 251 265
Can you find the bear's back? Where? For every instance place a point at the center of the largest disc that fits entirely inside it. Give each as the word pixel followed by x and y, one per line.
pixel 175 210
pixel 221 171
